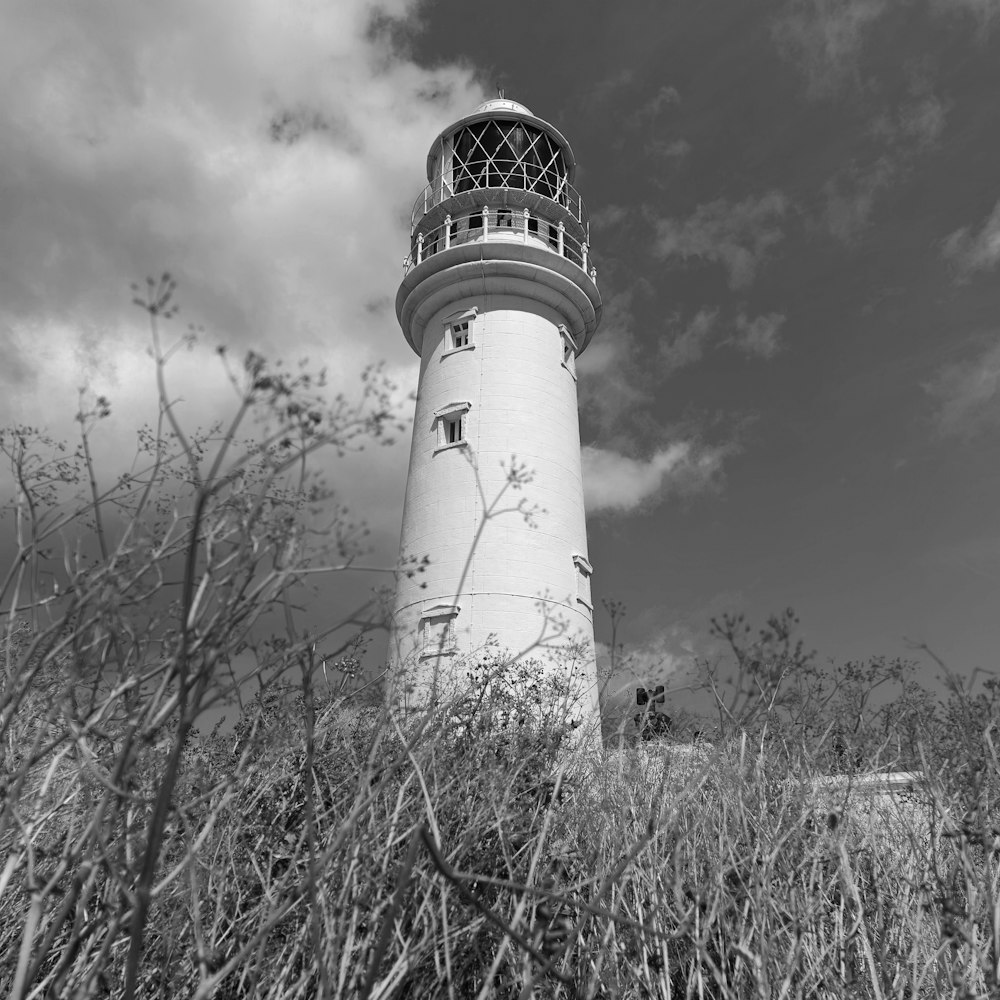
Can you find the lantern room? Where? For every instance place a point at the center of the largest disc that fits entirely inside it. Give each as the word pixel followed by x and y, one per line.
pixel 503 174
pixel 514 151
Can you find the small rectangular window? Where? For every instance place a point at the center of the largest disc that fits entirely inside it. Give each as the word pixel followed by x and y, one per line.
pixel 459 331
pixel 439 636
pixel 584 571
pixel 568 351
pixel 437 631
pixel 451 425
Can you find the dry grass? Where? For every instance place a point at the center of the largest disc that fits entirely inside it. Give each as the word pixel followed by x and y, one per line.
pixel 502 868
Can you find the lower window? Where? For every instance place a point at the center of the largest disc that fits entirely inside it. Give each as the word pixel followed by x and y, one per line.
pixel 584 571
pixel 437 631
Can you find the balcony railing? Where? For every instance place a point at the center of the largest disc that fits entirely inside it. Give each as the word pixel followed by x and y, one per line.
pixel 500 225
pixel 509 175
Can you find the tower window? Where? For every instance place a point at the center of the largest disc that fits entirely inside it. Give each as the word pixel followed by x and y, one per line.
pixel 568 350
pixel 459 330
pixel 437 631
pixel 452 421
pixel 584 571
pixel 453 431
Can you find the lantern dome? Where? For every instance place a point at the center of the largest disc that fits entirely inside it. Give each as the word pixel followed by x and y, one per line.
pixel 502 104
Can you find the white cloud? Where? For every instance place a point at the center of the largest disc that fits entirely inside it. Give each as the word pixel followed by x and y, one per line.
pixel 984 12
pixel 736 235
pixel 643 128
pixel 664 98
pixel 689 345
pixel 608 217
pixel 266 152
pixel 824 39
pixel 915 125
pixel 923 120
pixel 616 482
pixel 613 388
pixel 967 394
pixel 610 86
pixel 661 658
pixel 668 149
pixel 975 251
pixel 850 198
pixel 759 336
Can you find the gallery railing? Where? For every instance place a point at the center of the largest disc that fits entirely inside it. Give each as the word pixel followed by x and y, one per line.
pixel 500 225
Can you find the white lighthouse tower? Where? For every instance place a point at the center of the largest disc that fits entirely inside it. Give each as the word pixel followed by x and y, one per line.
pixel 498 299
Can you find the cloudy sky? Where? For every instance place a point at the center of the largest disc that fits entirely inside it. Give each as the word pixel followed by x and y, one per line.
pixel 794 399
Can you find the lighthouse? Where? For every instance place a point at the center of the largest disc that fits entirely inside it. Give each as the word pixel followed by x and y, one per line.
pixel 498 299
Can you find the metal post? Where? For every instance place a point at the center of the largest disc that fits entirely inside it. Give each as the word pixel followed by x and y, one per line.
pixel 562 239
pixel 441 192
pixel 486 224
pixel 420 247
pixel 525 231
pixel 447 231
pixel 593 275
pixel 584 248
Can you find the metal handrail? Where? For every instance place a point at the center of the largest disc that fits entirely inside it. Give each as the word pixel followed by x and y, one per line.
pixel 501 225
pixel 509 175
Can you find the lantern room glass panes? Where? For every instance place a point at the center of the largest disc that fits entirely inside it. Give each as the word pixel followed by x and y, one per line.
pixel 508 154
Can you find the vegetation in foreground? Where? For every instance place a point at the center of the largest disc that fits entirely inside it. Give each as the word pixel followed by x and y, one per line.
pixel 322 850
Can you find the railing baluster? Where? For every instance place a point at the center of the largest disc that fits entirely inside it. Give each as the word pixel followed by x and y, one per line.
pixel 525 230
pixel 447 232
pixel 420 247
pixel 486 224
pixel 584 248
pixel 562 239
